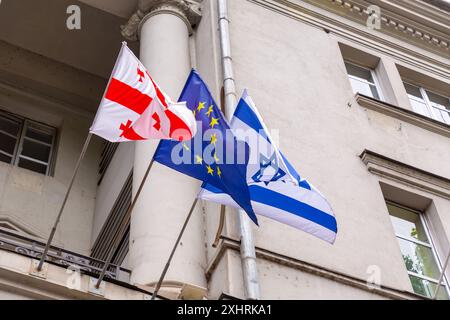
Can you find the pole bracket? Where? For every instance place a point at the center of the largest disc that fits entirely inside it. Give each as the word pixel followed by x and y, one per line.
pixel 100 291
pixel 38 273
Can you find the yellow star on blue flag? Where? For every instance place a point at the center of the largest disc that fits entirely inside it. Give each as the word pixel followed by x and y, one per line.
pixel 230 177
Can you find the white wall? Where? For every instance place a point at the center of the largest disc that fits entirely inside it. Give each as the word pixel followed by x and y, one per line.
pixel 296 76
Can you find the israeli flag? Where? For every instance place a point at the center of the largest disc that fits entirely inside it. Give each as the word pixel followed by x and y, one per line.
pixel 276 189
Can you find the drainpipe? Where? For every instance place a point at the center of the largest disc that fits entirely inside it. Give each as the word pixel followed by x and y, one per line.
pixel 248 255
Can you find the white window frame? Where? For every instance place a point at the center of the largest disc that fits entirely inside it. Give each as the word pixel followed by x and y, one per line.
pixel 375 83
pixel 24 125
pixel 445 282
pixel 427 101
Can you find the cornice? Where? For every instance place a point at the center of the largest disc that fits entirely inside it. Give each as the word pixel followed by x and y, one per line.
pixel 188 10
pixel 405 19
pixel 345 279
pixel 424 11
pixel 406 174
pixel 403 114
pixel 442 5
pixel 353 32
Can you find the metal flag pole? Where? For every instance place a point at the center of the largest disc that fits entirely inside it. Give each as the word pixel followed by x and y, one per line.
pixel 123 225
pixel 58 218
pixel 77 166
pixel 442 275
pixel 163 274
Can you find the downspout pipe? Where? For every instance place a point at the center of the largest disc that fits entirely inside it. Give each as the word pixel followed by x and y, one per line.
pixel 248 254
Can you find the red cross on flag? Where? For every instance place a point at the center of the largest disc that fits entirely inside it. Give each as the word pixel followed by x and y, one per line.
pixel 135 108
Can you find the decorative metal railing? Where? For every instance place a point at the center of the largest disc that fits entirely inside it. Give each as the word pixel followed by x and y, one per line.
pixel 11 241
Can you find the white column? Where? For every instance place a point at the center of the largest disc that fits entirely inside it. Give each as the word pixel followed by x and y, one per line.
pixel 167 195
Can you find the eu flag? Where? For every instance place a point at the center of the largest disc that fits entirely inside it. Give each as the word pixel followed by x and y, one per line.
pixel 214 155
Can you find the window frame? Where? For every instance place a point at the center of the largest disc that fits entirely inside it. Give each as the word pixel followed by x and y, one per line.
pixel 24 124
pixel 426 100
pixel 431 245
pixel 373 73
pixel 12 117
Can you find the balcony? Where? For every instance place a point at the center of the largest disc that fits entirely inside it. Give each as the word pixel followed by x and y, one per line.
pixel 13 242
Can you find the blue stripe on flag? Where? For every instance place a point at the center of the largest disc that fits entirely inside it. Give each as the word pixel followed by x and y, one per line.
pixel 280 201
pixel 285 203
pixel 246 115
pixel 294 173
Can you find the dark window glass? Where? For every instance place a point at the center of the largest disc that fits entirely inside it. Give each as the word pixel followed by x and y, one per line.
pixel 5 158
pixel 35 150
pixel 39 135
pixel 25 143
pixel 33 166
pixel 7 144
pixel 9 126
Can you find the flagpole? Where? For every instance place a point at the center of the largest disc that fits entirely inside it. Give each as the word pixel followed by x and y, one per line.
pixel 442 275
pixel 124 224
pixel 163 274
pixel 69 188
pixel 83 152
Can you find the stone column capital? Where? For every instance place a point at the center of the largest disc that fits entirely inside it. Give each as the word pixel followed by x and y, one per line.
pixel 187 10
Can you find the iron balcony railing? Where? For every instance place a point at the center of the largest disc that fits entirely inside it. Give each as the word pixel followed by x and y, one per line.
pixel 14 242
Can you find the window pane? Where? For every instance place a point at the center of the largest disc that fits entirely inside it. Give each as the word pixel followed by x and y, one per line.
pixel 5 158
pixel 364 88
pixel 374 91
pixel 417 102
pixel 439 101
pixel 441 115
pixel 7 143
pixel 419 259
pixel 407 223
pixel 9 125
pixel 40 135
pixel 34 166
pixel 427 288
pixel 413 91
pixel 420 107
pixel 359 72
pixel 441 107
pixel 35 150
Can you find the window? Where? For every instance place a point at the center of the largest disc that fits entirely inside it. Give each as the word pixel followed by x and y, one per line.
pixel 25 143
pixel 363 80
pixel 429 104
pixel 417 250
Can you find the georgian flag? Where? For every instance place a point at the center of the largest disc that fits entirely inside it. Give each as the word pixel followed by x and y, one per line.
pixel 135 108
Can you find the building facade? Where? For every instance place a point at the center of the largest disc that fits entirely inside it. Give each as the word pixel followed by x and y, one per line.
pixel 358 91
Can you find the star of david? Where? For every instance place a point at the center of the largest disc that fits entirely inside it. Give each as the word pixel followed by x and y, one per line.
pixel 266 163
